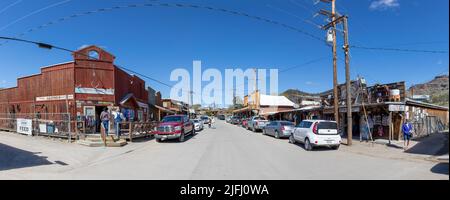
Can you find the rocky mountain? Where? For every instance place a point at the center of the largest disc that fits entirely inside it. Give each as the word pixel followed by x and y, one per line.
pixel 438 89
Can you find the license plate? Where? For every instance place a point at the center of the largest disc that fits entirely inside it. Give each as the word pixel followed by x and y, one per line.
pixel 329 141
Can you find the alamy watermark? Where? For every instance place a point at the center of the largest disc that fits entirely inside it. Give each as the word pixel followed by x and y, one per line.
pixel 213 86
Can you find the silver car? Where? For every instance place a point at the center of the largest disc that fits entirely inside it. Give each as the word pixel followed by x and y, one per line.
pixel 198 124
pixel 279 129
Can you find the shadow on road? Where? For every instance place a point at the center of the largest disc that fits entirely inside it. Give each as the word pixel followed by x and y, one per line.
pixel 441 168
pixel 315 148
pixel 435 144
pixel 14 158
pixel 186 138
pixel 144 139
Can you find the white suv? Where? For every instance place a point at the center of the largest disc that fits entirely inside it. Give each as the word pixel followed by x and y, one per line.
pixel 314 133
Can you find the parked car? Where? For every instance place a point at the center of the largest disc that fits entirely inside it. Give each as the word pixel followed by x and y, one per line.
pixel 313 133
pixel 174 127
pixel 279 129
pixel 257 123
pixel 228 119
pixel 221 117
pixel 198 124
pixel 205 119
pixel 235 120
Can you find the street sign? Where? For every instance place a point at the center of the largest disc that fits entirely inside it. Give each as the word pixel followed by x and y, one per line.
pixel 397 108
pixel 354 109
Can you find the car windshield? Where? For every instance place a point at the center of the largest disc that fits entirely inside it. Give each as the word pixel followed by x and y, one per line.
pixel 195 121
pixel 287 123
pixel 172 119
pixel 204 118
pixel 259 118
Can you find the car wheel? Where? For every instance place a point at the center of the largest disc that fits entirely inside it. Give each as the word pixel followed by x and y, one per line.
pixel 308 146
pixel 291 139
pixel 194 132
pixel 335 147
pixel 277 135
pixel 181 138
pixel 158 140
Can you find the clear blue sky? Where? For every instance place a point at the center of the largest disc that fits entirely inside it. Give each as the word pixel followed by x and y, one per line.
pixel 155 40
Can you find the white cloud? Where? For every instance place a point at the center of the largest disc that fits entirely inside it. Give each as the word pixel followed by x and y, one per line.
pixel 309 83
pixel 439 62
pixel 384 4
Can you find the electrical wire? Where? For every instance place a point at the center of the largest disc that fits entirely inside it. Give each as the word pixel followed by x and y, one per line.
pixel 398 49
pixel 174 5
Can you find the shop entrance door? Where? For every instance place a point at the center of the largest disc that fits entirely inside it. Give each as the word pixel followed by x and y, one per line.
pixel 98 112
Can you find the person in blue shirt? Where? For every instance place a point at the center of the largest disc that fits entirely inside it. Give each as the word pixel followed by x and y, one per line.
pixel 118 117
pixel 407 133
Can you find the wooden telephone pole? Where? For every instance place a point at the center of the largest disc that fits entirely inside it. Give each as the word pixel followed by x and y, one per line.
pixel 332 16
pixel 336 19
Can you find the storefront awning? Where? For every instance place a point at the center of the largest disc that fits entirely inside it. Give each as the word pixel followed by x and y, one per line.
pixel 165 109
pixel 142 105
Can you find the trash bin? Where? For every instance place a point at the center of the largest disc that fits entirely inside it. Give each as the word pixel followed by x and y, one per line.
pixel 50 128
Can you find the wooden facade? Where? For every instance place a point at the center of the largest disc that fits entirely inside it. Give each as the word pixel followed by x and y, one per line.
pixel 86 82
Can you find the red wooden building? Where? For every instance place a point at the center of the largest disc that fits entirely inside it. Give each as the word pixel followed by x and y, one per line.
pixel 82 87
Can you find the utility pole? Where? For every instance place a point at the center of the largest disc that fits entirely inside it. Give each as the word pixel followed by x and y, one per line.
pixel 332 17
pixel 348 85
pixel 336 19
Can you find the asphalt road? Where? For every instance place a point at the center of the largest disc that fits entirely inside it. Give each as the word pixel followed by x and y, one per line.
pixel 226 152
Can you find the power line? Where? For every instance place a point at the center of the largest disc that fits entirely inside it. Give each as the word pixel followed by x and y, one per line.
pixel 296 16
pixel 399 50
pixel 174 5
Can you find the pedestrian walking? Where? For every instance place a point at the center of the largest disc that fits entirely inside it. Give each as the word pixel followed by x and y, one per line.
pixel 118 118
pixel 212 122
pixel 104 117
pixel 407 133
pixel 209 122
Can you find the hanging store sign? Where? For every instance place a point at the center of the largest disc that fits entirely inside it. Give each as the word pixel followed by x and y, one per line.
pixel 55 98
pixel 79 90
pixel 397 108
pixel 344 110
pixel 24 126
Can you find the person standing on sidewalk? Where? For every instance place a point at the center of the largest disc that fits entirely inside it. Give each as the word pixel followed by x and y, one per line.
pixel 118 117
pixel 407 133
pixel 104 117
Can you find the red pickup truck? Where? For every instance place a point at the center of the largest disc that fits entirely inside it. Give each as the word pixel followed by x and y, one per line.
pixel 174 127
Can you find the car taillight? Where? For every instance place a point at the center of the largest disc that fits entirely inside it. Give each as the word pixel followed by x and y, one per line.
pixel 315 128
pixel 256 123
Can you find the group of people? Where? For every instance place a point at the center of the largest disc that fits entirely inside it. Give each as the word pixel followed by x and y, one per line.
pixel 117 117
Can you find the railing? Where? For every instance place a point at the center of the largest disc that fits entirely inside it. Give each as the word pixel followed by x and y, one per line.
pixel 134 130
pixel 48 124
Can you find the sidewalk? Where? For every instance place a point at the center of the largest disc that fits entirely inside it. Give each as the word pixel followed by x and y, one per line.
pixel 433 148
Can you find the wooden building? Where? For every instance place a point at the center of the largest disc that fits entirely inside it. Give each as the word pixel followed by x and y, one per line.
pixel 83 87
